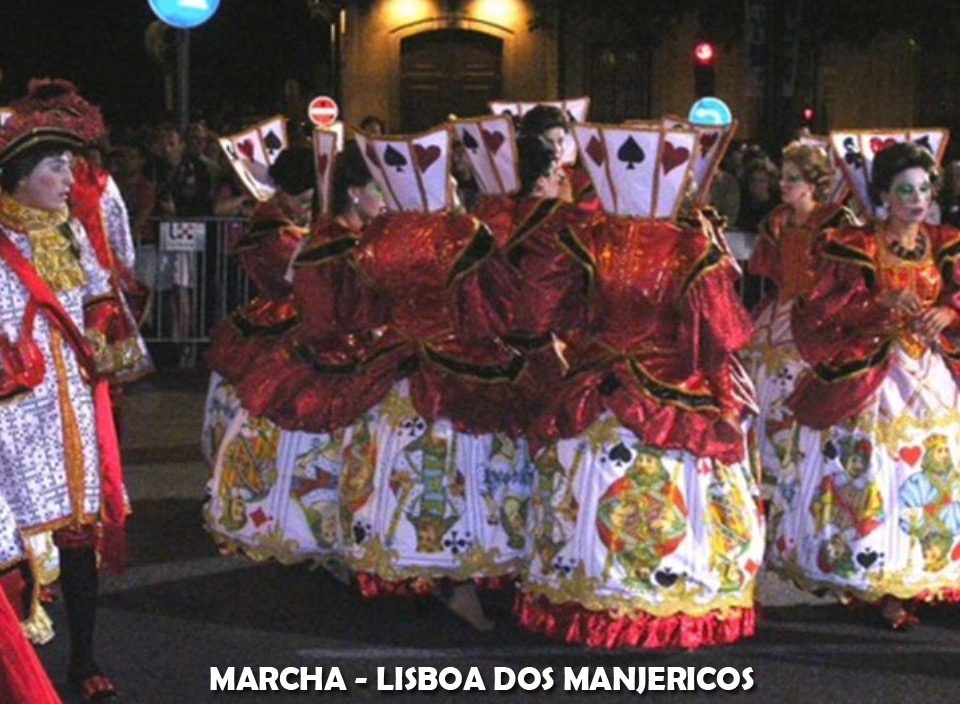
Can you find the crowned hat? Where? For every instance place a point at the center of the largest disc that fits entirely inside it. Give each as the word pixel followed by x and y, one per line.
pixel 575 109
pixel 412 171
pixel 855 151
pixel 491 149
pixel 252 151
pixel 639 171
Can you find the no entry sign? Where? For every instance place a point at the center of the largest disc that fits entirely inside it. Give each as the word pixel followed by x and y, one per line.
pixel 323 111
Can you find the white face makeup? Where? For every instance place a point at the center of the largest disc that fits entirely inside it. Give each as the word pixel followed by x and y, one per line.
pixel 909 197
pixel 793 188
pixel 48 185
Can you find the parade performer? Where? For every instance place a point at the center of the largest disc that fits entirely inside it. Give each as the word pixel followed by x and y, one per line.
pixel 274 492
pixel 646 528
pixel 59 460
pixel 276 231
pixel 549 123
pixel 870 507
pixel 96 202
pixel 545 294
pixel 786 256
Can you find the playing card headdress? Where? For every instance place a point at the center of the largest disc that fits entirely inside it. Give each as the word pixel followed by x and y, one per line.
pixel 838 190
pixel 576 110
pixel 252 152
pixel 327 143
pixel 639 171
pixel 491 149
pixel 712 144
pixel 412 171
pixel 856 150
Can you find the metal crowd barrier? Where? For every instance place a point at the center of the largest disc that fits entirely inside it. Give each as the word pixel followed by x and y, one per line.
pixel 196 282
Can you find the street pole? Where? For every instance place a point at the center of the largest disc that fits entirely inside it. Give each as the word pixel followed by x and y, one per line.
pixel 183 79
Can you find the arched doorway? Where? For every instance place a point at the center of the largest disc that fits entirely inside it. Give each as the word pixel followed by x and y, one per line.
pixel 448 71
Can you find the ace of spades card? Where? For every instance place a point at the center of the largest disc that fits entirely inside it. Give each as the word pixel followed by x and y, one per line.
pixel 637 170
pixel 326 145
pixel 491 150
pixel 273 136
pixel 412 172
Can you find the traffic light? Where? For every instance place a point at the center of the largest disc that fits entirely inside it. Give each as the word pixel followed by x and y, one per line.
pixel 704 65
pixel 809 116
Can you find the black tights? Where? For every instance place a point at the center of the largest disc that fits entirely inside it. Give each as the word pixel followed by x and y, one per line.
pixel 78 580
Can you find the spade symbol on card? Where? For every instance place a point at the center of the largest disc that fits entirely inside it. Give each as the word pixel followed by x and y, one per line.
pixel 469 142
pixel 246 148
pixel 631 153
pixel 852 155
pixel 232 152
pixel 272 142
pixel 924 142
pixel 392 157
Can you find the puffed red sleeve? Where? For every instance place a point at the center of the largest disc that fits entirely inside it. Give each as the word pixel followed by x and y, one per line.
pixel 765 260
pixel 331 294
pixel 484 288
pixel 842 308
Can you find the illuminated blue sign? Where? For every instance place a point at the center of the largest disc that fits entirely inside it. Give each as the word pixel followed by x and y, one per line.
pixel 184 14
pixel 710 112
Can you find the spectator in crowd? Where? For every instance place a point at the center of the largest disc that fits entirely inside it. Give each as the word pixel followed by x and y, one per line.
pixel 950 195
pixel 759 194
pixel 373 126
pixel 725 189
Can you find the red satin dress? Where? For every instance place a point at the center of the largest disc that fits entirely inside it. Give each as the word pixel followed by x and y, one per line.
pixel 647 531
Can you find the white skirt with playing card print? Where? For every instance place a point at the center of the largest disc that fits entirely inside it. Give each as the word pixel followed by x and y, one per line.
pixel 872 507
pixel 219 410
pixel 420 501
pixel 273 493
pixel 635 546
pixel 774 365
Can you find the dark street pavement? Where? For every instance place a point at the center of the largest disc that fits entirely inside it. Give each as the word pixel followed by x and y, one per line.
pixel 182 608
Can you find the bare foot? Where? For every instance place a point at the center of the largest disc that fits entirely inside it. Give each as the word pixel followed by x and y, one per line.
pixel 464 602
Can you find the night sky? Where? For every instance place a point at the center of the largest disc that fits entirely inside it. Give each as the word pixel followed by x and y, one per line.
pixel 239 59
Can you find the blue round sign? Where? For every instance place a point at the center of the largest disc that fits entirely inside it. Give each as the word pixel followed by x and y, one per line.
pixel 710 112
pixel 184 14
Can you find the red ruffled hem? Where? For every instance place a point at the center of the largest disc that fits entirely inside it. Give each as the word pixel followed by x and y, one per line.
pixel 375 587
pixel 573 624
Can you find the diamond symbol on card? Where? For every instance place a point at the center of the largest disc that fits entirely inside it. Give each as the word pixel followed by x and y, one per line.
pixel 596 151
pixel 259 517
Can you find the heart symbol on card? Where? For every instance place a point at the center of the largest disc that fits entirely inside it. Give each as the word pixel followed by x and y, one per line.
pixel 707 140
pixel 246 148
pixel 866 558
pixel 322 162
pixel 673 157
pixel 911 455
pixel 372 155
pixel 596 151
pixel 425 156
pixel 878 144
pixel 493 140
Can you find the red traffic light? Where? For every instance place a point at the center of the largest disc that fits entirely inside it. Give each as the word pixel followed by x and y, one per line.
pixel 704 53
pixel 808 114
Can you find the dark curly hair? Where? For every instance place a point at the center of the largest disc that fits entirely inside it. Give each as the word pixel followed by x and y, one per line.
pixel 541 118
pixel 896 159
